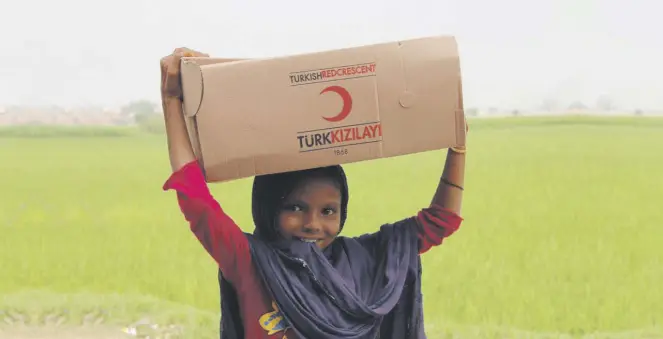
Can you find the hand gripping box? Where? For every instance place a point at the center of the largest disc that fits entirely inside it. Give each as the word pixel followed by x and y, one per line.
pixel 262 116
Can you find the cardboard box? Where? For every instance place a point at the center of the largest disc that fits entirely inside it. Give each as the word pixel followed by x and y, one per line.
pixel 261 116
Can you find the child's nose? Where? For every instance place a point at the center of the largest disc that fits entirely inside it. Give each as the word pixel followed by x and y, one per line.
pixel 312 224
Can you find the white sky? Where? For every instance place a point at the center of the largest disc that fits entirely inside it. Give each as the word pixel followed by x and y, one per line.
pixel 514 52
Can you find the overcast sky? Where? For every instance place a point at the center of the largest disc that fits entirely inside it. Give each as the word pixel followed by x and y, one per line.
pixel 514 52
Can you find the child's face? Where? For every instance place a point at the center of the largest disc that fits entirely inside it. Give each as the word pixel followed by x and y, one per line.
pixel 312 212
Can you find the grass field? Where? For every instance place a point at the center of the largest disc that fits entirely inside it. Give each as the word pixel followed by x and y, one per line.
pixel 562 235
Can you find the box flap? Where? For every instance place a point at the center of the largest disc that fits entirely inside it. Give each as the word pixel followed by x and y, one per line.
pixel 193 82
pixel 192 87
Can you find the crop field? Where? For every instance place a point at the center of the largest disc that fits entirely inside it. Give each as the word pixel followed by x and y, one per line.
pixel 563 231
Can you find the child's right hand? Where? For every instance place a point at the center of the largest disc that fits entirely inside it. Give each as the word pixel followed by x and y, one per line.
pixel 171 87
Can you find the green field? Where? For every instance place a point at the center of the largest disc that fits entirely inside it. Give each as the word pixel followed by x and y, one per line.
pixel 563 230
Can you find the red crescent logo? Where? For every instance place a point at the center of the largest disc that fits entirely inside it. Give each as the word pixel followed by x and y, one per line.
pixel 347 102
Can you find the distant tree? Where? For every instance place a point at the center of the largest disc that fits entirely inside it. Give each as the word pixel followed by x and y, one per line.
pixel 138 108
pixel 145 115
pixel 549 104
pixel 472 112
pixel 605 103
pixel 638 112
pixel 153 124
pixel 577 105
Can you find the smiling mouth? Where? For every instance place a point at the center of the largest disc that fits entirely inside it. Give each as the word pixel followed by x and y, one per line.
pixel 309 240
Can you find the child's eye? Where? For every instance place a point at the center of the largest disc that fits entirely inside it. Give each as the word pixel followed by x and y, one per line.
pixel 295 208
pixel 328 211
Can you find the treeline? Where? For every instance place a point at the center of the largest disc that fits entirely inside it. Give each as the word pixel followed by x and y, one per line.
pixel 55 131
pixel 147 115
pixel 153 125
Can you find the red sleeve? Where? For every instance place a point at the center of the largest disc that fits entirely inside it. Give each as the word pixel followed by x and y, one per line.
pixel 435 224
pixel 215 230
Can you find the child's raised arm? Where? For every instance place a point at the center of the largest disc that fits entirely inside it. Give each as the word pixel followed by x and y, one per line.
pixel 449 192
pixel 179 145
pixel 215 230
pixel 442 218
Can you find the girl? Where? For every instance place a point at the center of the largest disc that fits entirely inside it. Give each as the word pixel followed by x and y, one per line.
pixel 295 277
